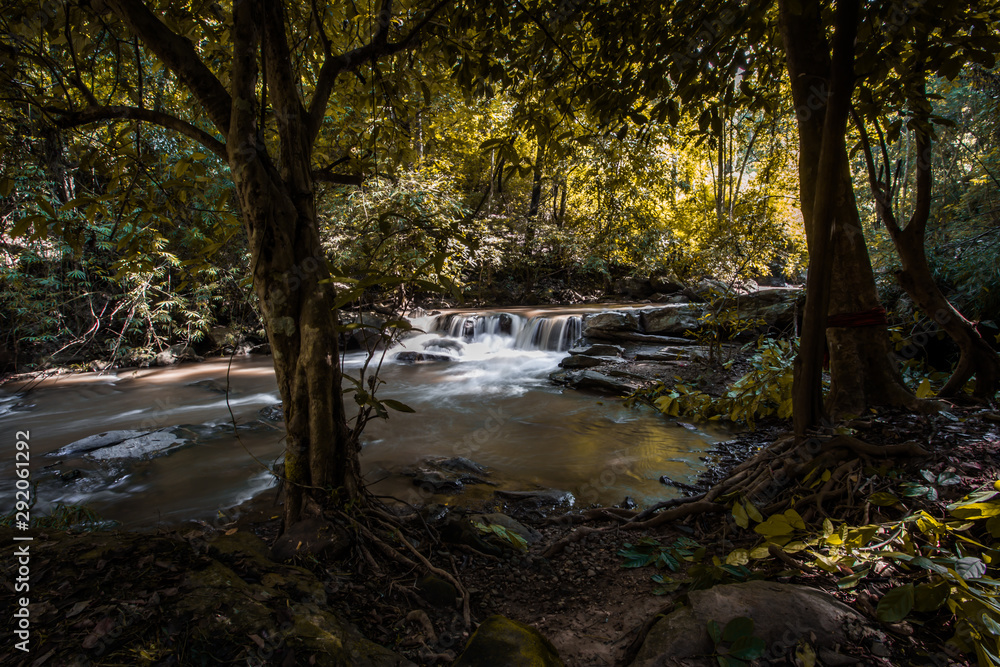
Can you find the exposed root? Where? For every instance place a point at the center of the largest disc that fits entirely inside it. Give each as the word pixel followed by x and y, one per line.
pixel 769 479
pixel 556 548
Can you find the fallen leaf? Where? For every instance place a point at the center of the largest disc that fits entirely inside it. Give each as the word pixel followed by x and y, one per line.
pixel 77 608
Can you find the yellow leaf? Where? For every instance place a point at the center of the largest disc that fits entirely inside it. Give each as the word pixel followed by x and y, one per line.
pixel 738 557
pixel 924 390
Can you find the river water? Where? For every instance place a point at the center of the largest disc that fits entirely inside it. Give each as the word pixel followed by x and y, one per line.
pixel 486 398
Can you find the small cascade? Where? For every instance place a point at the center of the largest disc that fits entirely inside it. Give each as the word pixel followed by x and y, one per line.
pixel 542 332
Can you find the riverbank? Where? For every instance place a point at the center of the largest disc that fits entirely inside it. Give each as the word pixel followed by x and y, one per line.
pixel 164 598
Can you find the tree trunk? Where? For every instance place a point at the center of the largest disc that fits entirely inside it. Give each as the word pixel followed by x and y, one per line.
pixel 297 305
pixel 862 366
pixel 976 356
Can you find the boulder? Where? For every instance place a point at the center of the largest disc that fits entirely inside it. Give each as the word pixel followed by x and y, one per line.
pixel 707 289
pixel 636 288
pixel 600 350
pixel 501 642
pixel 671 320
pixel 590 379
pixel 411 356
pixel 675 353
pixel 444 344
pixel 272 413
pixel 540 498
pixel 666 284
pixel 458 464
pixel 775 306
pixel 609 324
pixel 583 361
pixel 783 614
pixel 128 444
pixel 175 354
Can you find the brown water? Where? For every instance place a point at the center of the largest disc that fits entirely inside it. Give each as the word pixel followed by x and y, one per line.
pixel 493 404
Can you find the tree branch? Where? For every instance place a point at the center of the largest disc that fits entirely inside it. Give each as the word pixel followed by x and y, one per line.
pixel 325 176
pixel 90 115
pixel 883 202
pixel 179 55
pixel 378 46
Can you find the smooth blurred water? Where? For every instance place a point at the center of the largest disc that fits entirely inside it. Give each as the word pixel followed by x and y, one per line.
pixel 490 402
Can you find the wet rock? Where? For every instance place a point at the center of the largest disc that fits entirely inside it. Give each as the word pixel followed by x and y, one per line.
pixel 311 537
pixel 127 444
pixel 96 441
pixel 411 356
pixel 501 642
pixel 432 481
pixel 272 413
pixel 675 353
pixel 672 320
pixel 459 464
pixel 667 481
pixel 595 381
pixel 539 498
pixel 70 475
pixel 583 361
pixel 437 591
pixel 609 324
pixel 530 535
pixel 444 344
pixel 175 354
pixel 211 385
pixel 599 350
pixel 628 503
pixel 782 614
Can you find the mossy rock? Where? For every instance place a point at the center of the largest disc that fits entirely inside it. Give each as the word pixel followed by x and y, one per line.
pixel 501 642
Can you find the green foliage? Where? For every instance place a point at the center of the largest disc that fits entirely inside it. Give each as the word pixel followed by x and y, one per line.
pixel 702 572
pixel 765 390
pixel 951 565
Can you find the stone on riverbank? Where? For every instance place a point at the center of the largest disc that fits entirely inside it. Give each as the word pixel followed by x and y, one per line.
pixel 501 642
pixel 783 614
pixel 601 382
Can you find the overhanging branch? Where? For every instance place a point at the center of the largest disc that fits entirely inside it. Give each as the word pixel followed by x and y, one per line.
pixel 91 115
pixel 379 46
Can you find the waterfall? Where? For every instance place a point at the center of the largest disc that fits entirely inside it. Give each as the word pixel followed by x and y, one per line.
pixel 541 332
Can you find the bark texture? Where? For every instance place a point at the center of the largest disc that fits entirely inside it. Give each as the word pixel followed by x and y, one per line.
pixel 862 366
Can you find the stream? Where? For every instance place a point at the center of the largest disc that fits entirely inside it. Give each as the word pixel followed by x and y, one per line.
pixel 478 383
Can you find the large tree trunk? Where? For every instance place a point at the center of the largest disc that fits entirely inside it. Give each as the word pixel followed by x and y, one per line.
pixel 297 305
pixel 290 274
pixel 862 366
